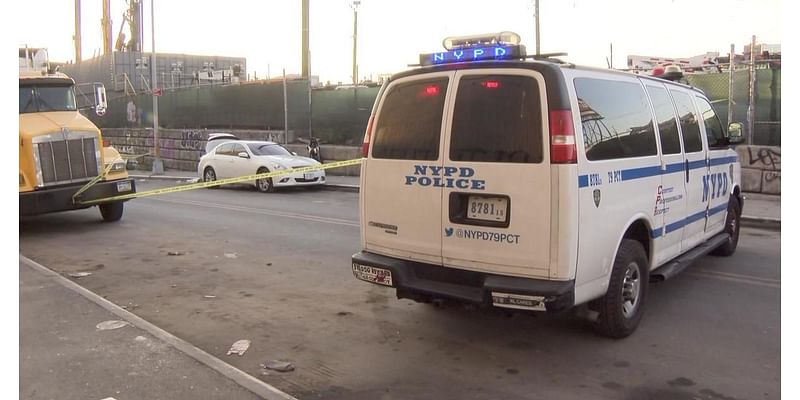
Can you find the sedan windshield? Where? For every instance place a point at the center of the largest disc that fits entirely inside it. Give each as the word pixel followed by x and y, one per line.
pixel 260 149
pixel 46 98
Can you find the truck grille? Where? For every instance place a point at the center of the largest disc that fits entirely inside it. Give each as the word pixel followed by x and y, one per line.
pixel 65 161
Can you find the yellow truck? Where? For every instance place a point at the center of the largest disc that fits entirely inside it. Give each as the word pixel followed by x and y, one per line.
pixel 60 150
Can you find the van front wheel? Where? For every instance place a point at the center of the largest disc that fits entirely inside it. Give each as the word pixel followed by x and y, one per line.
pixel 732 229
pixel 622 306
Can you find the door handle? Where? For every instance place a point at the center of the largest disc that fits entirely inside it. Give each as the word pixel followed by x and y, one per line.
pixel 687 171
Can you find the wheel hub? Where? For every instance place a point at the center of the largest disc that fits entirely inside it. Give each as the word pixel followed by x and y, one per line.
pixel 631 286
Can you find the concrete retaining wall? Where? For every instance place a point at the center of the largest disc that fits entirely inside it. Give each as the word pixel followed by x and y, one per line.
pixel 761 169
pixel 181 149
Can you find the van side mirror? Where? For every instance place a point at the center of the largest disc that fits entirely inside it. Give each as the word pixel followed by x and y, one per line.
pixel 243 155
pixel 100 101
pixel 735 133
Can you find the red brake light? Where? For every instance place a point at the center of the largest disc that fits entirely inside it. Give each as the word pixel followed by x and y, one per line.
pixel 367 137
pixel 562 138
pixel 491 84
pixel 431 90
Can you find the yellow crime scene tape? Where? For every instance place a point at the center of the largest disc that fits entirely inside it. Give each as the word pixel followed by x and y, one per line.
pixel 200 185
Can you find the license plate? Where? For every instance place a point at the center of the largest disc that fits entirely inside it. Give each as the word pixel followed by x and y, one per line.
pixel 518 301
pixel 487 208
pixel 124 186
pixel 372 274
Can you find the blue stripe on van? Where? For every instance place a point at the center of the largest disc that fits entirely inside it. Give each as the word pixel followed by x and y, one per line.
pixel 698 216
pixel 645 172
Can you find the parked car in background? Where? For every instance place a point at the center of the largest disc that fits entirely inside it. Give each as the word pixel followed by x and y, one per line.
pixel 218 138
pixel 240 158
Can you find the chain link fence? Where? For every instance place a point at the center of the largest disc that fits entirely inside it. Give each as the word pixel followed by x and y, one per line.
pixel 730 94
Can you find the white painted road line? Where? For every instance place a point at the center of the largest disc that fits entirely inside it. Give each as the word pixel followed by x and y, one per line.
pixel 738 278
pixel 262 211
pixel 245 380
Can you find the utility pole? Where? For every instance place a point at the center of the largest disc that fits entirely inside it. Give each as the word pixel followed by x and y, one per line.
pixel 77 36
pixel 106 24
pixel 751 108
pixel 731 70
pixel 355 5
pixel 158 165
pixel 304 42
pixel 536 14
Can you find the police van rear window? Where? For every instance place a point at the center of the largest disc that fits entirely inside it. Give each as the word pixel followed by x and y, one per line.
pixel 410 122
pixel 497 118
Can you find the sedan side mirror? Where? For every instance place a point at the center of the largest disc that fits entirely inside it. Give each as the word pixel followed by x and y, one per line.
pixel 735 133
pixel 294 153
pixel 243 155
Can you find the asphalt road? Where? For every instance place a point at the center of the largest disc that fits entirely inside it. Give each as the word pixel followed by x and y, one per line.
pixel 279 268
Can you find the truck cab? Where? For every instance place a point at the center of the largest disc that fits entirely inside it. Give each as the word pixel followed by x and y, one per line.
pixel 62 160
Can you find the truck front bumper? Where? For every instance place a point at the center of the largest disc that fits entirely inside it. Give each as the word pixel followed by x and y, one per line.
pixel 56 199
pixel 425 282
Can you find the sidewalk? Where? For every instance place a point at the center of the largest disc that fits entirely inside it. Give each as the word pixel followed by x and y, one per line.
pixel 63 355
pixel 761 210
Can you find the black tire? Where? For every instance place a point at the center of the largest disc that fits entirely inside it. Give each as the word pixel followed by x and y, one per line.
pixel 264 185
pixel 209 175
pixel 622 307
pixel 732 225
pixel 112 212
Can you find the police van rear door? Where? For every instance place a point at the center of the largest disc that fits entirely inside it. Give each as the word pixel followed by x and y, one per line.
pixel 401 188
pixel 496 178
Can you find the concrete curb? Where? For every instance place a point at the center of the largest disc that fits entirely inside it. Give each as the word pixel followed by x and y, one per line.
pixel 341 187
pixel 761 222
pixel 165 177
pixel 245 380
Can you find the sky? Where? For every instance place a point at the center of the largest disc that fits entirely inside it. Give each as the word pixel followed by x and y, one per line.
pixel 392 33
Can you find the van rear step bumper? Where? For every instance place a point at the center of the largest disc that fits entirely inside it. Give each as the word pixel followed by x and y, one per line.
pixel 426 282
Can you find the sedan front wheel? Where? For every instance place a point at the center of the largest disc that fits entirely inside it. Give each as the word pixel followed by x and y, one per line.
pixel 264 185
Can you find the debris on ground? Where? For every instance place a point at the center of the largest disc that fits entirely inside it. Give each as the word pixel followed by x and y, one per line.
pixel 175 253
pixel 111 324
pixel 344 313
pixel 209 296
pixel 231 255
pixel 140 339
pixel 269 264
pixel 79 274
pixel 278 365
pixel 173 286
pixel 239 347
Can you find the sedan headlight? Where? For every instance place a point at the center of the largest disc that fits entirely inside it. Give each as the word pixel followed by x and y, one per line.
pixel 277 167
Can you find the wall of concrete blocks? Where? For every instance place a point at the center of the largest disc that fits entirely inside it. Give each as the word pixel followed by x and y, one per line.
pixel 181 149
pixel 761 169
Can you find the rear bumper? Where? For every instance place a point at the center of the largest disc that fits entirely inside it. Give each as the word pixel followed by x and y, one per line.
pixel 425 282
pixel 49 200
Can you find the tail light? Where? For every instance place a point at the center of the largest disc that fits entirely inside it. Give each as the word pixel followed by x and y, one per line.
pixel 562 138
pixel 106 143
pixel 367 137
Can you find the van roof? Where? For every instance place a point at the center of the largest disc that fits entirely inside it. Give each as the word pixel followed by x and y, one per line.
pixel 550 69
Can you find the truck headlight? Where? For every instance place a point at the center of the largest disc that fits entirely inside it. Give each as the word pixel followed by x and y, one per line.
pixel 118 165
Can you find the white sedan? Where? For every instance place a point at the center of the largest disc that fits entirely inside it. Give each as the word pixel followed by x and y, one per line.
pixel 242 157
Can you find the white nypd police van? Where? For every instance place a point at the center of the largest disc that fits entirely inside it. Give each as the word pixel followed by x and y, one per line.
pixel 538 185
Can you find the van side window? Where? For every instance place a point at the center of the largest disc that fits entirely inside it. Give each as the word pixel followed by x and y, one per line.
pixel 714 132
pixel 616 119
pixel 689 127
pixel 410 121
pixel 497 118
pixel 665 118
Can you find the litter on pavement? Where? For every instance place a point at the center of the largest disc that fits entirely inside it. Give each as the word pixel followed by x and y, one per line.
pixel 79 274
pixel 278 365
pixel 231 255
pixel 111 324
pixel 239 347
pixel 175 253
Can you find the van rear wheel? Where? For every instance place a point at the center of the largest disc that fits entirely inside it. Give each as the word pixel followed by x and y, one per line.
pixel 622 306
